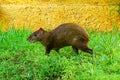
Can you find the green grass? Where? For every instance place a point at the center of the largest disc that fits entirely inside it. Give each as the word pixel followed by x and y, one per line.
pixel 21 60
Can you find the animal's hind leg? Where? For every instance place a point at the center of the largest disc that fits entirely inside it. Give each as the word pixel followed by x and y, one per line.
pixel 86 49
pixel 75 49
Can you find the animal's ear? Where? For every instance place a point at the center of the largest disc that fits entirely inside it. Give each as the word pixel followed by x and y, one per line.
pixel 41 30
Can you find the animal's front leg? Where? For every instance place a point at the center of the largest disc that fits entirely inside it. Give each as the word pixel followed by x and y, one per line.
pixel 57 50
pixel 48 49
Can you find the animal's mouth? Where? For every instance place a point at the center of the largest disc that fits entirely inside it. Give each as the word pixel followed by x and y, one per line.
pixel 31 40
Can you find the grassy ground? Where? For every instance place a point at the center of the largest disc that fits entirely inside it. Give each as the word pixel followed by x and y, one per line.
pixel 21 60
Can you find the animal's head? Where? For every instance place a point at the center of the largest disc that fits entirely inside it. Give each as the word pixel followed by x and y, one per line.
pixel 36 36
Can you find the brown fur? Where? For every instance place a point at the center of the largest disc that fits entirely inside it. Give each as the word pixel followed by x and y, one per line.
pixel 68 34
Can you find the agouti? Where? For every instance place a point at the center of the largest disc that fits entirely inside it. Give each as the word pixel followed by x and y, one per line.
pixel 67 34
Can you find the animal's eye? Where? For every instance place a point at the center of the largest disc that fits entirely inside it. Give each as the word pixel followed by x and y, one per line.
pixel 35 35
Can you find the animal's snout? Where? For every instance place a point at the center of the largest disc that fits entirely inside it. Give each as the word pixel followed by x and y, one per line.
pixel 30 40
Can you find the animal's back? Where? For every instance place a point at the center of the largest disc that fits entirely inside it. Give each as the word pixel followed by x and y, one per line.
pixel 67 34
pixel 71 30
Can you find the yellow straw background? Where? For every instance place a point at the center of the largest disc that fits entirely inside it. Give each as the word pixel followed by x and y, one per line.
pixel 48 14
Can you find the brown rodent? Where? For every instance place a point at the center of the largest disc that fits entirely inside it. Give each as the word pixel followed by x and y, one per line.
pixel 67 34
